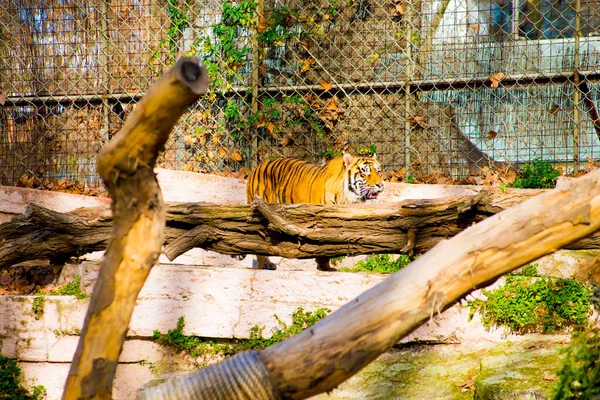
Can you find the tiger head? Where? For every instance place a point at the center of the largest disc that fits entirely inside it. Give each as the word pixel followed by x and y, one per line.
pixel 363 180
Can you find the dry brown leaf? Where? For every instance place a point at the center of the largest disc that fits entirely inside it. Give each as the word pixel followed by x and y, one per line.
pixel 270 127
pixel 236 156
pixel 222 152
pixel 332 104
pixel 550 378
pixel 325 86
pixel 263 24
pixel 306 64
pixel 491 135
pixel 496 78
pixel 397 10
pixel 475 27
pixel 2 98
pixel 189 140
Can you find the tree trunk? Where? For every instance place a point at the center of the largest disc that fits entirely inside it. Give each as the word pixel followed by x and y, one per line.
pixel 126 164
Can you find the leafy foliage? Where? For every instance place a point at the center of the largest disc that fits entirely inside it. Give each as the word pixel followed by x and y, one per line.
pixel 10 387
pixel 528 304
pixel 72 288
pixel 380 263
pixel 196 346
pixel 579 373
pixel 538 174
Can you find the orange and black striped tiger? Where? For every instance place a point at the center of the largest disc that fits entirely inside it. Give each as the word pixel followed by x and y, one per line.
pixel 343 180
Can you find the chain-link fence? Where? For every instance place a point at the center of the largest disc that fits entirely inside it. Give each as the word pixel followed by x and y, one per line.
pixel 440 85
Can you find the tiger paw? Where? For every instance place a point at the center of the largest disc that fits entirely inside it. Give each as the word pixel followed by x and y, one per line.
pixel 326 268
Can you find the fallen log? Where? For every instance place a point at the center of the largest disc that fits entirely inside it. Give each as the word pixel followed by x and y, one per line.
pixel 292 231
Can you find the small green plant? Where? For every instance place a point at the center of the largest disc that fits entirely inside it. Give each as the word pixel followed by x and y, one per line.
pixel 527 304
pixel 530 270
pixel 380 263
pixel 300 321
pixel 196 346
pixel 336 260
pixel 10 387
pixel 331 153
pixel 538 174
pixel 38 305
pixel 192 345
pixel 367 150
pixel 72 288
pixel 579 373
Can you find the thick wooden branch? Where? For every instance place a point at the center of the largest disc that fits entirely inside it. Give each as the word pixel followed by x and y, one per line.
pixel 126 164
pixel 293 231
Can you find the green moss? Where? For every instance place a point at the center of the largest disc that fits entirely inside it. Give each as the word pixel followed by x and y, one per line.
pixel 516 370
pixel 579 373
pixel 196 346
pixel 379 263
pixel 38 305
pixel 527 304
pixel 10 388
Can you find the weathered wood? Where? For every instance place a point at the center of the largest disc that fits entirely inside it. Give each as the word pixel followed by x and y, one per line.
pixel 311 230
pixel 126 165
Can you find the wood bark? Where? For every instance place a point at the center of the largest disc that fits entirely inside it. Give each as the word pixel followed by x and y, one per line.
pixel 126 164
pixel 293 231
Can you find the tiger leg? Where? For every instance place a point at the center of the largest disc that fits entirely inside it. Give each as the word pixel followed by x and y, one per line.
pixel 323 264
pixel 265 263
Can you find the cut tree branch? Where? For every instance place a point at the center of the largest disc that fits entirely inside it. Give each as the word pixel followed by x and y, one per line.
pixel 126 165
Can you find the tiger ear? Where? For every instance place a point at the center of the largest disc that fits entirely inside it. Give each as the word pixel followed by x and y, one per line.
pixel 374 156
pixel 348 159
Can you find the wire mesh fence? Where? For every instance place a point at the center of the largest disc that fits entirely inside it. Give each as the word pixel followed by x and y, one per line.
pixel 437 86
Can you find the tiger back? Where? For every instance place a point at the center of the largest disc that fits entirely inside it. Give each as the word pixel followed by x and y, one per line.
pixel 343 180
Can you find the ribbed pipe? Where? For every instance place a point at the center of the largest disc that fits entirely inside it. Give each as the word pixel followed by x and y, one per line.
pixel 242 377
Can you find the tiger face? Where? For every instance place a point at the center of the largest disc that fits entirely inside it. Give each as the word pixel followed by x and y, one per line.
pixel 363 178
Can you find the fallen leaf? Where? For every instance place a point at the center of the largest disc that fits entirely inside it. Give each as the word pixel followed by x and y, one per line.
pixel 325 86
pixel 270 127
pixel 2 98
pixel 491 135
pixel 397 10
pixel 222 152
pixel 475 27
pixel 550 377
pixel 306 64
pixel 496 78
pixel 189 140
pixel 263 24
pixel 236 156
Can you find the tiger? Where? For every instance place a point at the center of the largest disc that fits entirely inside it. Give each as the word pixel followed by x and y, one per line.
pixel 347 179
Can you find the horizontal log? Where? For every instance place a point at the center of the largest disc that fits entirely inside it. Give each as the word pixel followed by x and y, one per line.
pixel 291 231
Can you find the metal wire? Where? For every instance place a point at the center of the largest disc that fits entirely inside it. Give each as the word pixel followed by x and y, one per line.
pixel 444 86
